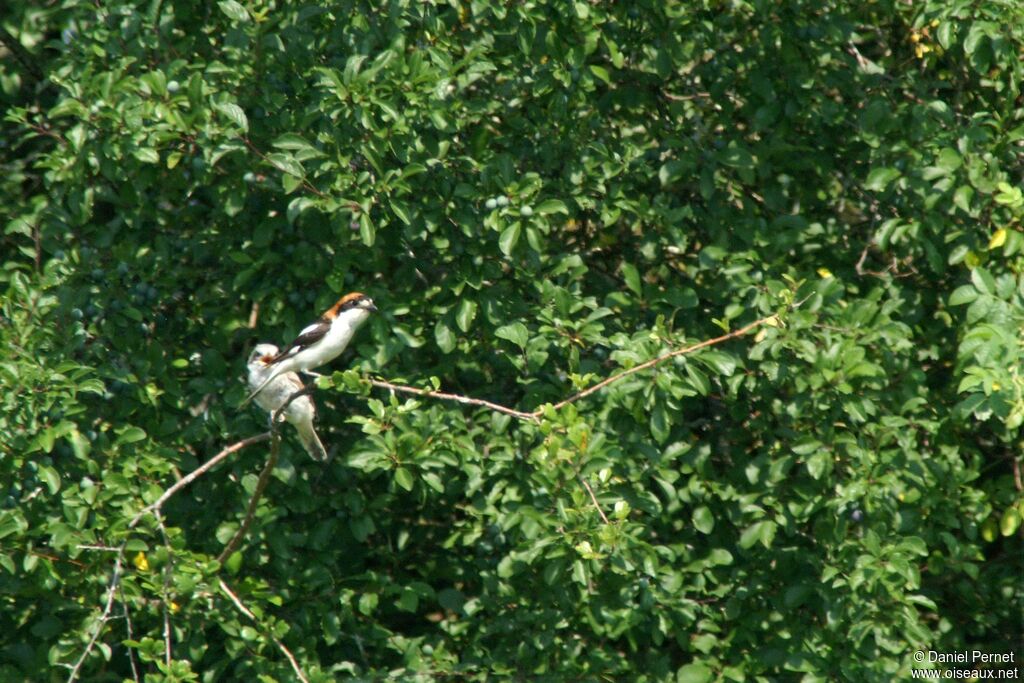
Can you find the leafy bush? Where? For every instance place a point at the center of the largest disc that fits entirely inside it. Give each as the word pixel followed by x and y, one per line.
pixel 538 196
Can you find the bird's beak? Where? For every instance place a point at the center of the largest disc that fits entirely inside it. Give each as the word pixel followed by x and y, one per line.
pixel 370 307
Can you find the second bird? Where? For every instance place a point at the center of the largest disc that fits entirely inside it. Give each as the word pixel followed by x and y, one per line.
pixel 300 412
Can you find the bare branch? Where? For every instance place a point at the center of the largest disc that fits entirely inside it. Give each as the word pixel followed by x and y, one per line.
pixel 536 414
pixel 455 397
pixel 261 485
pixel 168 568
pixel 268 470
pixel 131 636
pixel 112 587
pixel 281 646
pixel 656 361
pixel 195 474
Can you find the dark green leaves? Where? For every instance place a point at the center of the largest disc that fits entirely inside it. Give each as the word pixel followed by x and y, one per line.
pixel 538 196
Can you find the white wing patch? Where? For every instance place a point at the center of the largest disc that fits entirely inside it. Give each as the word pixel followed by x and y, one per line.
pixel 310 328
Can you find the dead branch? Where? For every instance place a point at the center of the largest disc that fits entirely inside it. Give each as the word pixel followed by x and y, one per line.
pixel 268 470
pixel 131 636
pixel 401 388
pixel 250 513
pixel 195 474
pixel 168 568
pixel 657 361
pixel 112 587
pixel 536 414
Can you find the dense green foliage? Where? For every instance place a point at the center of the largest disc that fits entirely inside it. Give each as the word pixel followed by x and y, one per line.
pixel 537 195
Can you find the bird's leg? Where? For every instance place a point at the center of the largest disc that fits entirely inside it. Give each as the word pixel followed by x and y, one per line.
pixel 310 373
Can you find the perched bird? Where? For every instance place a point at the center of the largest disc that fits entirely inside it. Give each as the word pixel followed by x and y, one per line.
pixel 299 413
pixel 321 342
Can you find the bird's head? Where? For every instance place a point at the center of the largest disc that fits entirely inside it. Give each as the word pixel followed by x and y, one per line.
pixel 356 305
pixel 262 353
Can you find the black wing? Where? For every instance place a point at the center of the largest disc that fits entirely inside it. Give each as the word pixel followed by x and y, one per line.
pixel 309 336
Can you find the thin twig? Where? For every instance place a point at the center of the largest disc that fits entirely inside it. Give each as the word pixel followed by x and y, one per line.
pixel 683 98
pixel 43 130
pixel 281 646
pixel 168 569
pixel 1016 475
pixel 594 498
pixel 195 474
pixel 655 361
pixel 131 636
pixel 455 397
pixel 104 616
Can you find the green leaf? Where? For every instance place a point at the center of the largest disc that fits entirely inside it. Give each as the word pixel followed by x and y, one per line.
pixel 549 206
pixel 703 519
pixel 234 10
pixel 399 210
pixel 404 478
pixel 51 478
pixel 675 170
pixel 660 423
pixel 601 73
pixel 367 231
pixel 235 113
pixel 465 315
pixel 983 281
pixel 763 532
pixel 11 523
pixel 880 178
pixel 963 294
pixel 130 435
pixel 444 337
pixel 632 278
pixel 1009 522
pixel 515 333
pixel 719 361
pixel 147 155
pixel 295 143
pixel 408 601
pixel 817 464
pixel 509 238
pixel 694 673
pixel 286 163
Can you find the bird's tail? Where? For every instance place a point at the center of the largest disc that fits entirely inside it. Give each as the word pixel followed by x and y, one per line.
pixel 310 441
pixel 258 389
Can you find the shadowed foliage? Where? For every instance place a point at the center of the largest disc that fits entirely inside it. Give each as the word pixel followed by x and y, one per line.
pixel 537 195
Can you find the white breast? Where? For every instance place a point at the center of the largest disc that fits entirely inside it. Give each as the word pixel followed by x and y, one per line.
pixel 333 343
